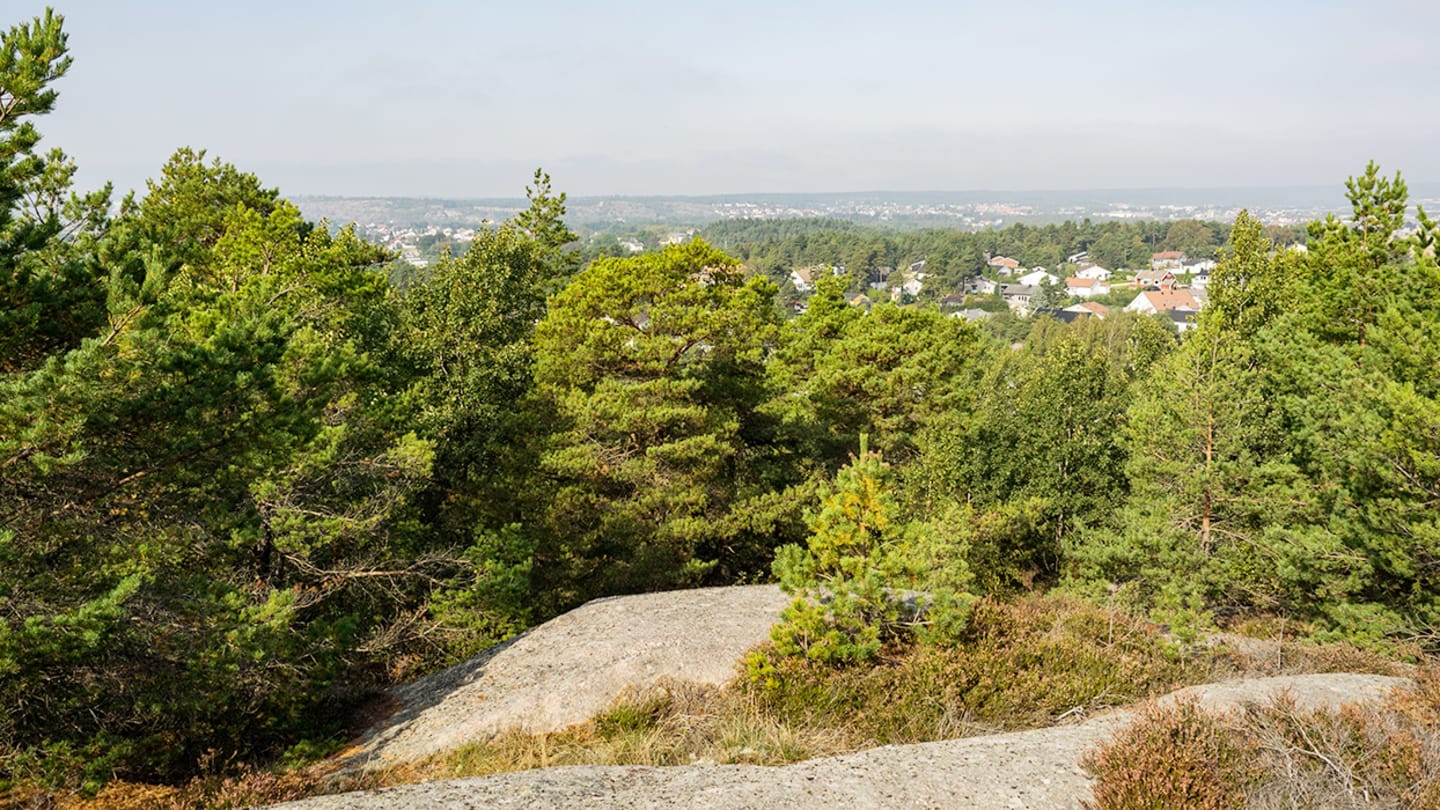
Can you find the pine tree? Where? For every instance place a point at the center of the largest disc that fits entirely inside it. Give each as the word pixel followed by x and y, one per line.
pixel 864 578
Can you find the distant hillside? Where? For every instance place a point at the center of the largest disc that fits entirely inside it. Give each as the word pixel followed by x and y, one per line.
pixel 960 209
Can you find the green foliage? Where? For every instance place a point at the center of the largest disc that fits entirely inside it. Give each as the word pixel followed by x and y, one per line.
pixel 1279 461
pixel 864 580
pixel 49 281
pixel 32 57
pixel 1193 238
pixel 1038 459
pixel 1206 465
pixel 650 370
pixel 1018 664
pixel 544 221
pixel 208 498
pixel 839 373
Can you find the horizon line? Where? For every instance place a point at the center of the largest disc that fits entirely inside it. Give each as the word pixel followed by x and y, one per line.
pixel 1320 187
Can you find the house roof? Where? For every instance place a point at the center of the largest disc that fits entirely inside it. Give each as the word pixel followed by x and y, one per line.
pixel 971 314
pixel 1168 255
pixel 1166 300
pixel 1066 315
pixel 1003 261
pixel 1076 281
pixel 1096 309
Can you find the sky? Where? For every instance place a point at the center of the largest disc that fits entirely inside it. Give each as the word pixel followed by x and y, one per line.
pixel 692 97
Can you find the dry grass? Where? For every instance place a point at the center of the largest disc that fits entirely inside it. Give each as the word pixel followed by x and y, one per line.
pixel 1266 645
pixel 670 724
pixel 243 787
pixel 1023 663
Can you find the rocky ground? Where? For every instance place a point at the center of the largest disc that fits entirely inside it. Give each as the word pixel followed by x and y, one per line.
pixel 572 667
pixel 565 671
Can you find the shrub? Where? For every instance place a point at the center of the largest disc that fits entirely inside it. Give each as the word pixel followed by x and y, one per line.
pixel 1018 664
pixel 1174 756
pixel 1384 754
pixel 852 579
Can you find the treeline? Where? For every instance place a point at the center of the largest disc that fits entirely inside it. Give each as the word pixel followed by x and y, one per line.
pixel 775 247
pixel 245 481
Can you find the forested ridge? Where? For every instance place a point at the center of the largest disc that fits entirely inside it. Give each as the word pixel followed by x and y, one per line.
pixel 246 481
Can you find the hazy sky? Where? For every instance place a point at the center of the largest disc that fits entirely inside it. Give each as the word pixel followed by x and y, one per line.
pixel 429 98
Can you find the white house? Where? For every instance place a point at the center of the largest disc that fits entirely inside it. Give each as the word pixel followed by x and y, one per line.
pixel 970 314
pixel 1149 302
pixel 1155 278
pixel 979 285
pixel 1199 271
pixel 1094 271
pixel 1167 260
pixel 910 284
pixel 1017 296
pixel 1004 265
pixel 1183 319
pixel 1038 276
pixel 1090 308
pixel 1085 287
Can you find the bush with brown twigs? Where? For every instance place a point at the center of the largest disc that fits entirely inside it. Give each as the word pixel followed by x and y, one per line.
pixel 1278 755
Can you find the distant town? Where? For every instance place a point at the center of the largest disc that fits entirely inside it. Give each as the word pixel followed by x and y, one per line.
pixel 415 226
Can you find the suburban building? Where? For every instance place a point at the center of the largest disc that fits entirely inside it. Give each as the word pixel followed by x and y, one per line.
pixel 1183 319
pixel 1149 302
pixel 1096 310
pixel 970 314
pixel 1085 287
pixel 1155 278
pixel 1038 276
pixel 1003 265
pixel 979 285
pixel 1167 260
pixel 1017 296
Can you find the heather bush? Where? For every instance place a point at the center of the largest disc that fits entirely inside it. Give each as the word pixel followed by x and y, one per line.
pixel 1171 757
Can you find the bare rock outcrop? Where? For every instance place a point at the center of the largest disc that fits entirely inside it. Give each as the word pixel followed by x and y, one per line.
pixel 1029 769
pixel 568 669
